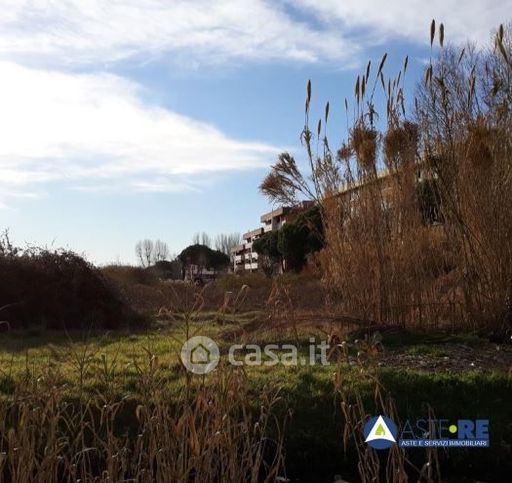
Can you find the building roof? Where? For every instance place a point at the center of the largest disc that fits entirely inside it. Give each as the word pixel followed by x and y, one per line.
pixel 250 234
pixel 284 210
pixel 237 248
pixel 272 214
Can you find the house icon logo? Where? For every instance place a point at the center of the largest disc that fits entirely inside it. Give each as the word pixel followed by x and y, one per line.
pixel 200 355
pixel 380 432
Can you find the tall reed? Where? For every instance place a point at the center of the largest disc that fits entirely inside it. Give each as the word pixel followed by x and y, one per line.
pixel 417 208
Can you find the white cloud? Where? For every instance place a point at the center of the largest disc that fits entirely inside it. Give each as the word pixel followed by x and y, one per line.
pixel 93 129
pixel 91 31
pixel 463 20
pixel 94 132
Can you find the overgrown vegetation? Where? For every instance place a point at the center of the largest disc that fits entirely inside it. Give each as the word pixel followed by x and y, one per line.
pixel 417 214
pixel 57 289
pixel 418 236
pixel 126 397
pixel 206 433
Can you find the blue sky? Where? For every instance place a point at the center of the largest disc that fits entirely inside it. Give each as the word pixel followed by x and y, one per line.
pixel 122 120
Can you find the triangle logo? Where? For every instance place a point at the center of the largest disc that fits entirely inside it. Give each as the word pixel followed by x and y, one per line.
pixel 380 430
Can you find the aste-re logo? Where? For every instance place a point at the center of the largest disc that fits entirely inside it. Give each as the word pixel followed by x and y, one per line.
pixel 380 432
pixel 473 433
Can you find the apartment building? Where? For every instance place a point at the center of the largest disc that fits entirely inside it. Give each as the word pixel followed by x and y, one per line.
pixel 244 257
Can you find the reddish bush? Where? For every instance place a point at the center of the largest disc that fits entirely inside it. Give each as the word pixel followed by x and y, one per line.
pixel 58 290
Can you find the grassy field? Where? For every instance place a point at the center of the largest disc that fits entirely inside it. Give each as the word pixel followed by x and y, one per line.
pixel 456 376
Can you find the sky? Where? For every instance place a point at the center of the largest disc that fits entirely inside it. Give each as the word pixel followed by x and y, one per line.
pixel 132 119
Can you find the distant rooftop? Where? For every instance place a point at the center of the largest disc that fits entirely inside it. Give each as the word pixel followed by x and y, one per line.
pixel 272 214
pixel 250 234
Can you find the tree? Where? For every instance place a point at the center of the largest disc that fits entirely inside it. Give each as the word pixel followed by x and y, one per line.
pixel 226 241
pixel 267 245
pixel 202 239
pixel 203 257
pixel 149 252
pixel 268 253
pixel 144 252
pixel 311 222
pixel 292 243
pixel 160 252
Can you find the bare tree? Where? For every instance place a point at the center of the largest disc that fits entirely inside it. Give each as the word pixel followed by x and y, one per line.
pixel 138 252
pixel 149 252
pixel 226 241
pixel 202 239
pixel 160 251
pixel 144 251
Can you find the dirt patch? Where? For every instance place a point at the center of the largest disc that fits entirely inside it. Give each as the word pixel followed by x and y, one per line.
pixel 450 357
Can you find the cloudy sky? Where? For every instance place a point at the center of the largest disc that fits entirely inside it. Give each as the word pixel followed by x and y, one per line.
pixel 126 119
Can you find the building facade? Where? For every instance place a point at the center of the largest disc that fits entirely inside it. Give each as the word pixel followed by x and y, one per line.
pixel 245 259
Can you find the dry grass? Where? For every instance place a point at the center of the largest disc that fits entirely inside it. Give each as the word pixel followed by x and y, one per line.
pixel 396 465
pixel 417 213
pixel 206 433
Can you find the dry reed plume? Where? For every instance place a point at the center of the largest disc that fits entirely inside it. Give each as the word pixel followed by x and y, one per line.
pixel 417 214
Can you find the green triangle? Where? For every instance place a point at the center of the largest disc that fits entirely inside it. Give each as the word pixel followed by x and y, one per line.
pixel 380 431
